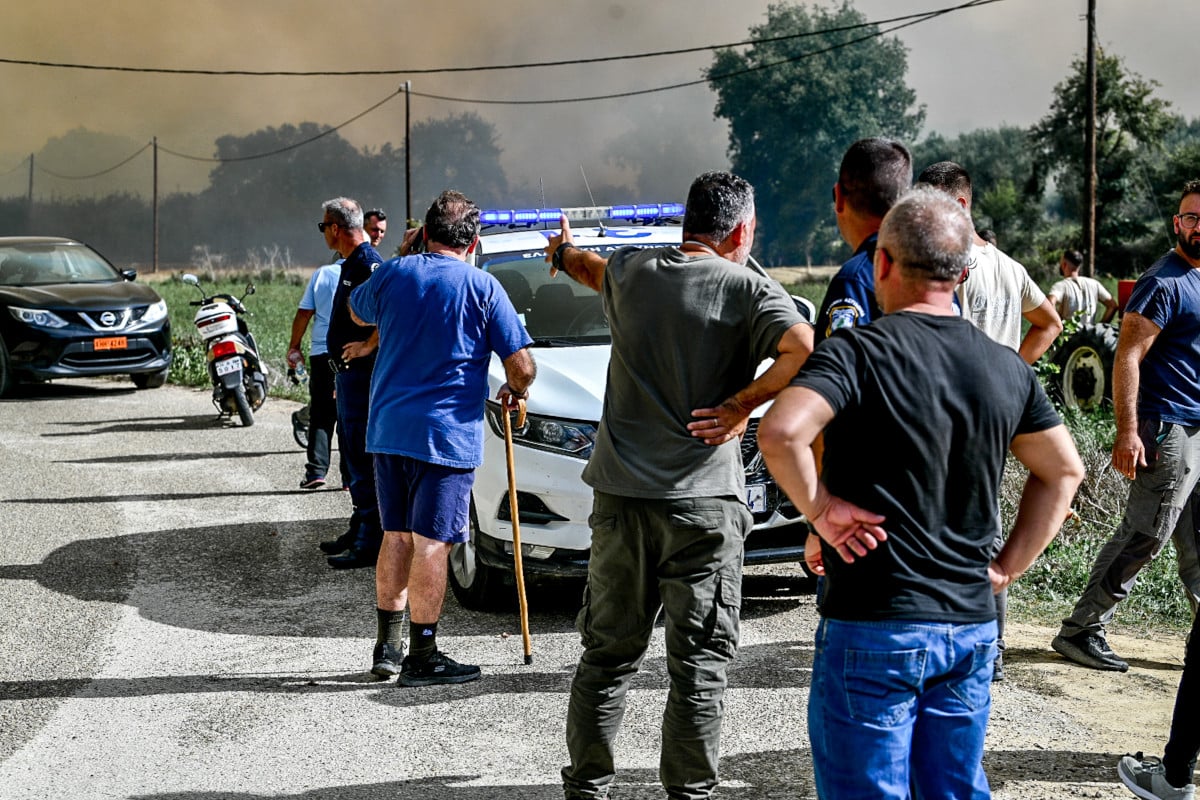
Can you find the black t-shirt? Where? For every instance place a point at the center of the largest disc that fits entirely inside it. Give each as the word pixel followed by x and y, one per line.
pixel 927 407
pixel 357 267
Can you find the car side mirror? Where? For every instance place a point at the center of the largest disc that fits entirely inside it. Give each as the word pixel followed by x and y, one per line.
pixel 129 274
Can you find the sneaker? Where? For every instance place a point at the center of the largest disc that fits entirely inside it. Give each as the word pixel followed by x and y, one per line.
pixel 312 483
pixel 1146 777
pixel 386 660
pixel 1089 649
pixel 436 669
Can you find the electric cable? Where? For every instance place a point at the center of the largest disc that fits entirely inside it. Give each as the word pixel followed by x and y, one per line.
pixel 118 165
pixel 478 68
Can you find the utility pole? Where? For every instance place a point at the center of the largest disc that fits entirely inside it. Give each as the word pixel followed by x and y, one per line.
pixel 29 201
pixel 407 155
pixel 1089 148
pixel 154 206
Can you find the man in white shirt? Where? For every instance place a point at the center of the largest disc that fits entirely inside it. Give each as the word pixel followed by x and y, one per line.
pixel 998 291
pixel 1076 294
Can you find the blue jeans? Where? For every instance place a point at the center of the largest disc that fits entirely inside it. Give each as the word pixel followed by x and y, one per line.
pixel 899 709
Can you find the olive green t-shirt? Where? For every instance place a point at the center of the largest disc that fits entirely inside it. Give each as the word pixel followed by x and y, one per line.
pixel 687 332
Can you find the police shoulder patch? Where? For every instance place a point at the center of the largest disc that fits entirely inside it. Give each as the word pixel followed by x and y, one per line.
pixel 843 315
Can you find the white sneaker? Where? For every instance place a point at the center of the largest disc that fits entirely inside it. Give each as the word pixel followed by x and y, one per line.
pixel 1146 777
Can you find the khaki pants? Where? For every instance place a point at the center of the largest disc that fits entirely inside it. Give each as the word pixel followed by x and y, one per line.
pixel 683 557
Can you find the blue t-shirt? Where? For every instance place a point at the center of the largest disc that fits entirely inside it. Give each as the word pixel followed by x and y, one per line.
pixel 850 299
pixel 318 298
pixel 1168 294
pixel 439 322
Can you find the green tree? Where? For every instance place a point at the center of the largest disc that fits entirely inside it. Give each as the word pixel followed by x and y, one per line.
pixel 1001 165
pixel 1130 124
pixel 795 105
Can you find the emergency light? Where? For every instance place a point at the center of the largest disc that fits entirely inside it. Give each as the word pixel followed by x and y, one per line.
pixel 528 217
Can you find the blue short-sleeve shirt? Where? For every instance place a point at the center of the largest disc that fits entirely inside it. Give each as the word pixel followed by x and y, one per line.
pixel 1168 294
pixel 439 322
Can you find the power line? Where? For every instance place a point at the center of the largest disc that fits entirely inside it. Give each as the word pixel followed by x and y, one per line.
pixel 709 79
pixel 16 166
pixel 292 146
pixel 141 150
pixel 910 20
pixel 482 68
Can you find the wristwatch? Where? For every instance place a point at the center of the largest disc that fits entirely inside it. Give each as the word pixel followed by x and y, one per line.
pixel 556 260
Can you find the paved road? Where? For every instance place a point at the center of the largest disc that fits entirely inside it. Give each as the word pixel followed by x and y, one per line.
pixel 169 630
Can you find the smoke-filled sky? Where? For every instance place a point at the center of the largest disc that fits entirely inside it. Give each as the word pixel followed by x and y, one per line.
pixel 981 67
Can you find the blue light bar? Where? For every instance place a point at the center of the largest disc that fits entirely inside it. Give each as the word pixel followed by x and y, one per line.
pixel 496 217
pixel 528 217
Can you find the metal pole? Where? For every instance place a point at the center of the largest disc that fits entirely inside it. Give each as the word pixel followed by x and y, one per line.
pixel 1089 148
pixel 407 154
pixel 29 199
pixel 154 205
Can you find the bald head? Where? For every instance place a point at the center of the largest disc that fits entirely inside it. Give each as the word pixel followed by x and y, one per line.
pixel 928 235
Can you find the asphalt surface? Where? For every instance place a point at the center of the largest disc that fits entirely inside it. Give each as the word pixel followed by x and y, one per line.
pixel 169 630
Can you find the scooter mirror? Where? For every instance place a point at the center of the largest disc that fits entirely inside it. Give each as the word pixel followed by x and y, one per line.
pixel 249 290
pixel 188 277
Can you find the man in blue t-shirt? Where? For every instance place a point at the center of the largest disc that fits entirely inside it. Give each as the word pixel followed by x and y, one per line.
pixel 873 174
pixel 919 410
pixel 1156 397
pixel 439 320
pixel 316 305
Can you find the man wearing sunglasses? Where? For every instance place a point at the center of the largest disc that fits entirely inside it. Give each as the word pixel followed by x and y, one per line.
pixel 352 358
pixel 1156 397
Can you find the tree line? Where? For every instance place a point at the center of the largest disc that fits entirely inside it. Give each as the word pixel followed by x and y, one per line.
pixel 793 105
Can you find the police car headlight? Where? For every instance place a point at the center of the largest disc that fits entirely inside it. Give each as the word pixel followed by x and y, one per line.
pixel 566 436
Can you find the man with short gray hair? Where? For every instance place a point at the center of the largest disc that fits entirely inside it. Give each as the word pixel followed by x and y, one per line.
pixel 351 350
pixel 669 515
pixel 918 410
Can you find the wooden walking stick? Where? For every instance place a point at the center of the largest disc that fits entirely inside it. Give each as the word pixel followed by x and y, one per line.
pixel 518 565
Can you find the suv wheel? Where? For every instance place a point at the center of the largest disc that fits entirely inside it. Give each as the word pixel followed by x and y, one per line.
pixel 149 380
pixel 475 584
pixel 6 378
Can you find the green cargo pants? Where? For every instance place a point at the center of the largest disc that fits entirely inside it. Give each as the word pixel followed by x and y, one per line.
pixel 685 558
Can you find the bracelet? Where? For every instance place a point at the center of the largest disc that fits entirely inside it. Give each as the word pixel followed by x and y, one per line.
pixel 556 259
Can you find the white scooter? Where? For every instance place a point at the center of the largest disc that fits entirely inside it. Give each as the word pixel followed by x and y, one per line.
pixel 238 375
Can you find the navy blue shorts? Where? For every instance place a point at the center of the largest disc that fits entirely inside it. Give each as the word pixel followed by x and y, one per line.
pixel 423 498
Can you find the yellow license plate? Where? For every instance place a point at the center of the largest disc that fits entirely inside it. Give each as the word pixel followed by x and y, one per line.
pixel 110 343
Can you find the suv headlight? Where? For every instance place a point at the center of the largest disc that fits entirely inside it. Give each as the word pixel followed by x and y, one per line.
pixel 567 436
pixel 154 313
pixel 38 317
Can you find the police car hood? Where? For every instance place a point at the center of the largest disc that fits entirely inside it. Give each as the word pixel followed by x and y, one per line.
pixel 570 382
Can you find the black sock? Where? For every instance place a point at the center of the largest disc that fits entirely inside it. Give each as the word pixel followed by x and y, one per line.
pixel 389 627
pixel 422 639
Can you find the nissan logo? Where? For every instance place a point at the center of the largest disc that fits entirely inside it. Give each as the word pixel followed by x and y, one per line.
pixel 108 319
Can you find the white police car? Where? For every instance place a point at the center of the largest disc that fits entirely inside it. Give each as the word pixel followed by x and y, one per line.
pixel 571 346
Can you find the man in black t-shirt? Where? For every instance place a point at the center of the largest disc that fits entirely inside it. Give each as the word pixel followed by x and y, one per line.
pixel 918 411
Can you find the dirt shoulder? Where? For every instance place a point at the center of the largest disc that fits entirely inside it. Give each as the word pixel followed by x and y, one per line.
pixel 1057 729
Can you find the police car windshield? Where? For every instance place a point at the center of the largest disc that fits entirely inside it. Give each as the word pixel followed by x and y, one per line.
pixel 557 312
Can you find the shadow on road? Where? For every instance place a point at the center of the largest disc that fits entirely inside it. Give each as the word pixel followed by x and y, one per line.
pixel 763 775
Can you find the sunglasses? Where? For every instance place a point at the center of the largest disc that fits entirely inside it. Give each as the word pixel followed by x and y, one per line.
pixel 321 226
